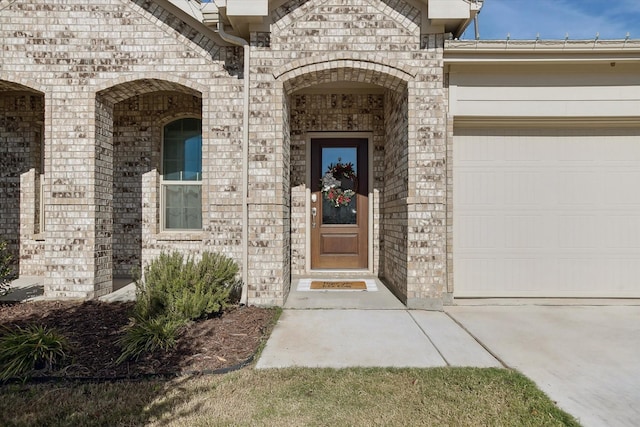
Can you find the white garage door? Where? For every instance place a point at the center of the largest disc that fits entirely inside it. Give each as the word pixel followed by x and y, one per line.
pixel 546 213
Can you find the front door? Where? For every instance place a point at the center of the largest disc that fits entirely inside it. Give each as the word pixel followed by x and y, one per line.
pixel 339 203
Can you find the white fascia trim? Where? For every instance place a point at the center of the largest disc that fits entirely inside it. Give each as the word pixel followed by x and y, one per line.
pixel 542 45
pixel 527 122
pixel 548 60
pixel 538 51
pixel 564 46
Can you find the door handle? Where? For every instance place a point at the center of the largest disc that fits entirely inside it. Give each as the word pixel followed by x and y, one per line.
pixel 314 212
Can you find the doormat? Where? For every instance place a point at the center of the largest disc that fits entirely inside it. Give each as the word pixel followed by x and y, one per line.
pixel 304 285
pixel 356 285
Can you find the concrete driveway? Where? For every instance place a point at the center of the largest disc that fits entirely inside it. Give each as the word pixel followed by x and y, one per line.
pixel 587 358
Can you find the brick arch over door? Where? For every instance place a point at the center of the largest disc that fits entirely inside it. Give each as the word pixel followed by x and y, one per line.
pixel 21 164
pixel 341 67
pixel 129 118
pixel 124 88
pixel 13 86
pixel 384 113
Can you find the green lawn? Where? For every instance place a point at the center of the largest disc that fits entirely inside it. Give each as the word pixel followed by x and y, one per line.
pixel 291 397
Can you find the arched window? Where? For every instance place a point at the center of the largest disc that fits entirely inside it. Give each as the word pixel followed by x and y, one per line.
pixel 182 175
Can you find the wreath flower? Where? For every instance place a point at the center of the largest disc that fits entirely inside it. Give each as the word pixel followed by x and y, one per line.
pixel 332 184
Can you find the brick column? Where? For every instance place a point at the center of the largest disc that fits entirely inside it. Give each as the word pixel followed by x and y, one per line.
pixel 427 234
pixel 269 194
pixel 79 214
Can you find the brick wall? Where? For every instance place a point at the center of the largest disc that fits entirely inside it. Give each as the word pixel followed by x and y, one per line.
pixel 394 202
pixel 86 59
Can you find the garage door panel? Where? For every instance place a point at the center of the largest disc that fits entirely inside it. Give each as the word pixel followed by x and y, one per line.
pixel 523 153
pixel 622 232
pixel 512 274
pixel 476 187
pixel 538 214
pixel 523 231
pixel 479 153
pixel 621 152
pixel 617 191
pixel 561 277
pixel 576 150
pixel 577 188
pixel 480 232
pixel 622 271
pixel 523 188
pixel 578 232
pixel 576 273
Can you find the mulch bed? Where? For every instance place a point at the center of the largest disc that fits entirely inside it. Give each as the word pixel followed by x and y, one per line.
pixel 92 328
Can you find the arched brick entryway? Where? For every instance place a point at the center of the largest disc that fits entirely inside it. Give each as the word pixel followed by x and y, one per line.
pixel 21 168
pixel 130 118
pixel 339 94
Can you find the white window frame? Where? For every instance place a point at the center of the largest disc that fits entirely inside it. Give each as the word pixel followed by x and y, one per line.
pixel 41 173
pixel 167 183
pixel 41 221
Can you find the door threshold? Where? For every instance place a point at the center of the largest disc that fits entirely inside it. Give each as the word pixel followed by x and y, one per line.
pixel 337 273
pixel 343 271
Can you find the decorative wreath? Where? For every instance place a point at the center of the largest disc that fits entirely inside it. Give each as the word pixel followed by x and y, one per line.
pixel 332 184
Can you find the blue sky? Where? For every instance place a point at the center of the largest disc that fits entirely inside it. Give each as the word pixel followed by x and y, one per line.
pixel 552 19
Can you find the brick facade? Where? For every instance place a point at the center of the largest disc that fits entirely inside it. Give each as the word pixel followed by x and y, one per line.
pixel 98 82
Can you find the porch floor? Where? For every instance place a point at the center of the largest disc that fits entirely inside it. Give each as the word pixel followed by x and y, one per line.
pixel 24 288
pixel 31 288
pixel 379 299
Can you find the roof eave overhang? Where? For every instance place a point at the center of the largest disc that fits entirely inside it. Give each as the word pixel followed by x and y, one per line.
pixel 191 16
pixel 537 51
pixel 453 15
pixel 447 16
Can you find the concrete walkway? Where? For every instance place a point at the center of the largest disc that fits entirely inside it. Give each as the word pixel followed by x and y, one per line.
pixel 586 358
pixel 339 329
pixel 335 338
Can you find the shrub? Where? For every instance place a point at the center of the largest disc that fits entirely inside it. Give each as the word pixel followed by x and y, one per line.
pixel 186 289
pixel 25 350
pixel 149 335
pixel 6 271
pixel 173 292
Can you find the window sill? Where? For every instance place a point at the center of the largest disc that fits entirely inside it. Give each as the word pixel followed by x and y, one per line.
pixel 180 236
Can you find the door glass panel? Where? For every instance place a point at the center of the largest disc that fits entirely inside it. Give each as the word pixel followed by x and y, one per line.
pixel 339 185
